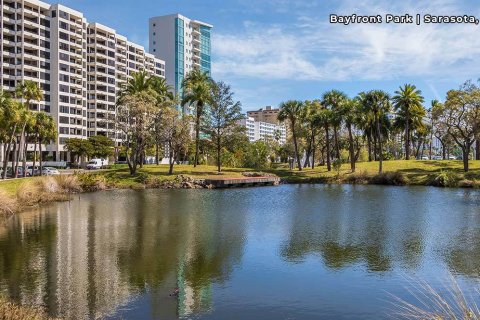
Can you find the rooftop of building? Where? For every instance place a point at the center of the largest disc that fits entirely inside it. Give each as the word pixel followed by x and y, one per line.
pixel 178 15
pixel 267 108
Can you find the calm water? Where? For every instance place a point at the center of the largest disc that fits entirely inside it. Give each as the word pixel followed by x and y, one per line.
pixel 288 252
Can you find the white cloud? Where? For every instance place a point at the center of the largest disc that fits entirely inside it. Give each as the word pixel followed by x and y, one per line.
pixel 309 48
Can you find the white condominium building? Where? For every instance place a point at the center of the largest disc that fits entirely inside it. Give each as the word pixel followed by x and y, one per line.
pixel 264 131
pixel 80 66
pixel 183 43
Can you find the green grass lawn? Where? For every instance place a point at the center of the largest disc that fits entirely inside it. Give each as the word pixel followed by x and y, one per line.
pixel 417 171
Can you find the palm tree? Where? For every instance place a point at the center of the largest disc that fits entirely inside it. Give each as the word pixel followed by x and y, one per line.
pixel 350 112
pixel 378 103
pixel 10 119
pixel 292 111
pixel 140 81
pixel 313 120
pixel 45 130
pixel 197 92
pixel 27 91
pixel 408 105
pixel 334 100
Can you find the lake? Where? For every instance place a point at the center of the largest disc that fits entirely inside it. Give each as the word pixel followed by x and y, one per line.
pixel 286 252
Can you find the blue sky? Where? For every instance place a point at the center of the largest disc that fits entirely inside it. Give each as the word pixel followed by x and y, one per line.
pixel 275 50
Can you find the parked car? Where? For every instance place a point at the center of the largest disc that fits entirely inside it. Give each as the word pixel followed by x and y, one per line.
pixel 97 164
pixel 452 158
pixel 19 172
pixel 425 158
pixel 50 171
pixel 33 171
pixel 437 158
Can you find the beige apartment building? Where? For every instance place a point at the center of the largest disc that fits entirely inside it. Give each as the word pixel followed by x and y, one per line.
pixel 267 114
pixel 79 65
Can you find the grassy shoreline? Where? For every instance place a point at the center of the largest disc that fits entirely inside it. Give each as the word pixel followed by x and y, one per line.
pixel 22 194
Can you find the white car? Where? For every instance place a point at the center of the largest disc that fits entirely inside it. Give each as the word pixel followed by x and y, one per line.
pixel 50 171
pixel 97 164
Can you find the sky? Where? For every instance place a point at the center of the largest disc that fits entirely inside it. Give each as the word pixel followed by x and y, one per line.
pixel 271 51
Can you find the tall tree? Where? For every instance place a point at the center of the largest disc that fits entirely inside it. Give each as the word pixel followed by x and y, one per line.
pixel 197 93
pixel 461 116
pixel 350 111
pixel 102 146
pixel 292 111
pixel 46 131
pixel 79 148
pixel 222 118
pixel 10 120
pixel 407 102
pixel 136 120
pixel 378 103
pixel 313 121
pixel 334 100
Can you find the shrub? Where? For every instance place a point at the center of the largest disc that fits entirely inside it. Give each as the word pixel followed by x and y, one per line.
pixel 391 178
pixel 29 193
pixel 142 177
pixel 69 183
pixel 445 179
pixel 337 166
pixel 465 183
pixel 8 204
pixel 357 178
pixel 92 182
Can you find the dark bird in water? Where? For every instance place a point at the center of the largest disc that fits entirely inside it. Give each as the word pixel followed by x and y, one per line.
pixel 175 292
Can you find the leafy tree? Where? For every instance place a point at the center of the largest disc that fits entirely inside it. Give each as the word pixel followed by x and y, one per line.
pixel 222 118
pixel 461 116
pixel 293 111
pixel 350 110
pixel 257 155
pixel 408 101
pixel 197 93
pixel 136 119
pixel 79 148
pixel 102 147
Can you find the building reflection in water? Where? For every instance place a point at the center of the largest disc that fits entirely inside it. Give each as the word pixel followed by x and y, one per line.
pixel 87 258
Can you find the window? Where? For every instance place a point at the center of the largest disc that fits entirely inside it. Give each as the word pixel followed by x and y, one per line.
pixel 154 25
pixel 64 109
pixel 63 120
pixel 54 14
pixel 64 99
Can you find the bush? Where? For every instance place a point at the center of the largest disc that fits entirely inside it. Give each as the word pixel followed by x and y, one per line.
pixel 445 179
pixel 29 193
pixel 357 178
pixel 69 183
pixel 92 182
pixel 391 178
pixel 142 177
pixel 465 183
pixel 8 204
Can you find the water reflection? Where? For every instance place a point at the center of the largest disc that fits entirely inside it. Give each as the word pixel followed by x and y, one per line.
pixel 121 254
pixel 89 257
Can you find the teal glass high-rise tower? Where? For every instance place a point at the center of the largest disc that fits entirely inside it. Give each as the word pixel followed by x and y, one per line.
pixel 184 44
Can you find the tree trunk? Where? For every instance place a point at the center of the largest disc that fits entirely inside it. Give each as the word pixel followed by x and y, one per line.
pixel 7 152
pixel 380 153
pixel 313 152
pixel 34 155
pixel 297 155
pixel 477 149
pixel 40 158
pixel 327 141
pixel 444 151
pixel 375 147
pixel 466 152
pixel 24 163
pixel 20 148
pixel 407 135
pixel 369 146
pixel 431 144
pixel 219 161
pixel 157 154
pixel 170 158
pixel 14 160
pixel 351 148
pixel 197 136
pixel 337 147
